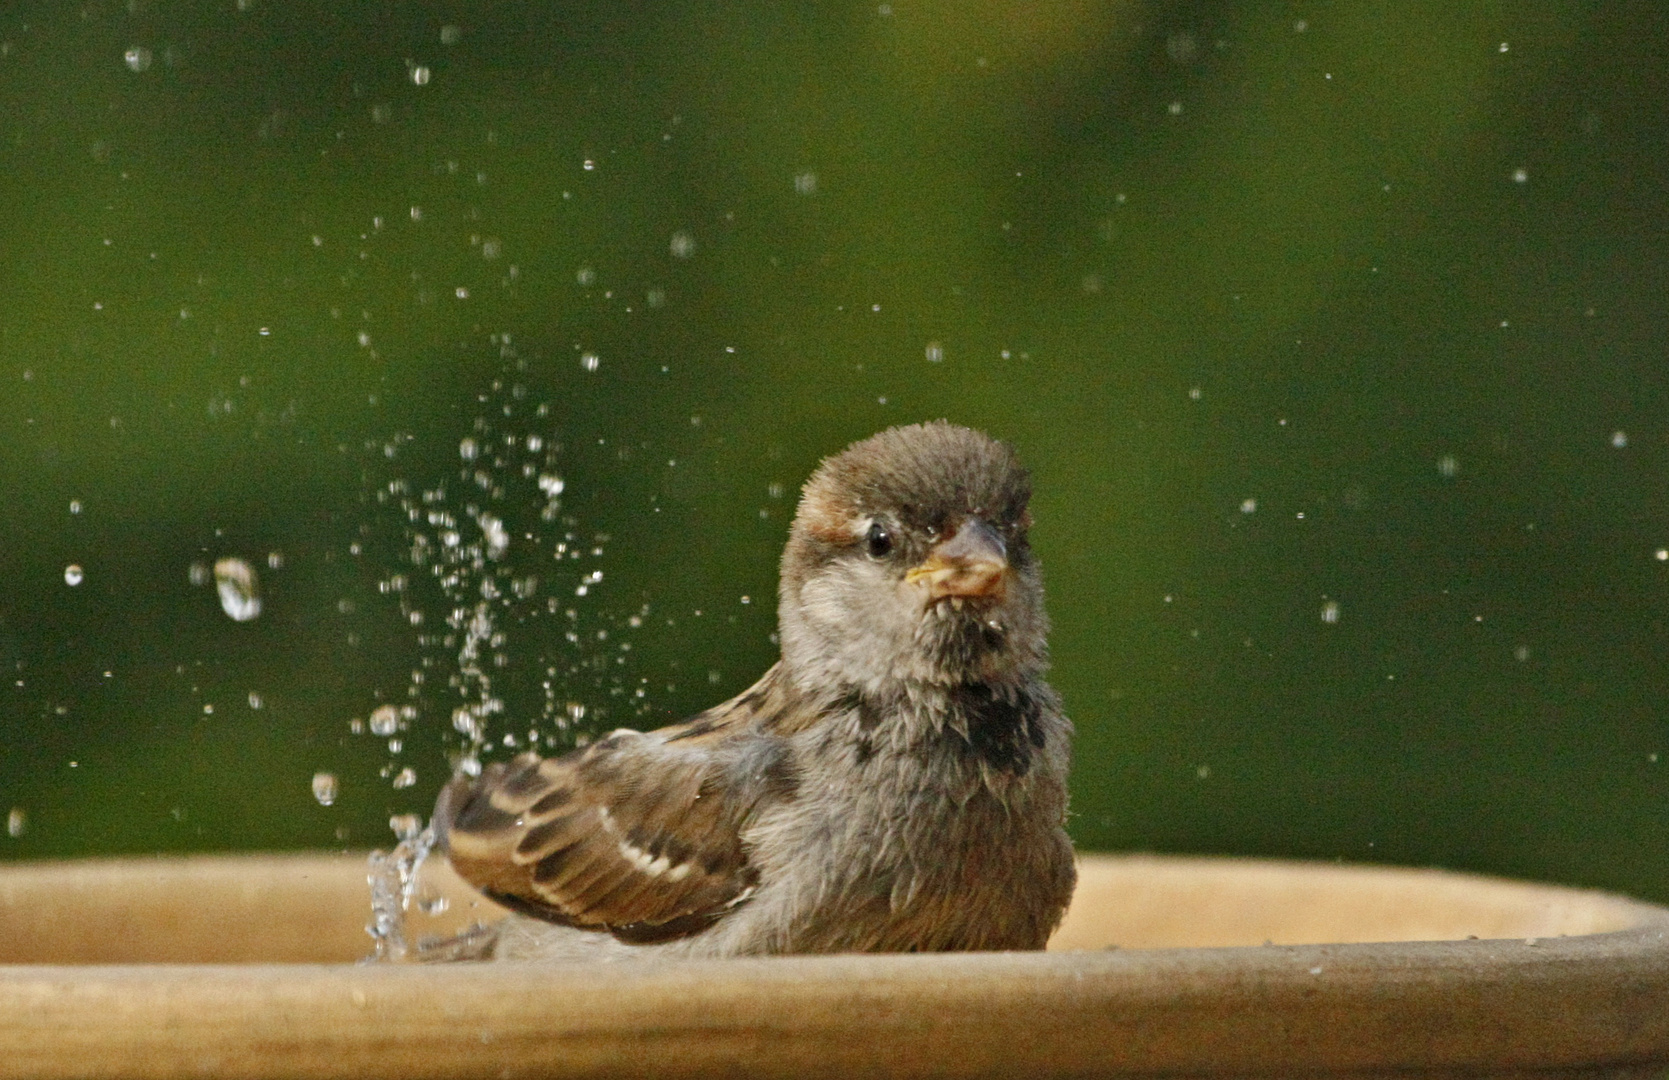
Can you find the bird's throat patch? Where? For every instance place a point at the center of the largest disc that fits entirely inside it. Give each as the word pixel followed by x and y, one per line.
pixel 1003 727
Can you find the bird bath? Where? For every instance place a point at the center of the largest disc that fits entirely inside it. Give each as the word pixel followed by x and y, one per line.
pixel 244 966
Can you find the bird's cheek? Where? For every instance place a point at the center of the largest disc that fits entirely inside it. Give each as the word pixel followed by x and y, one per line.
pixel 820 603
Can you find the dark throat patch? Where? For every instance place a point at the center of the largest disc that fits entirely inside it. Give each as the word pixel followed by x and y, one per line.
pixel 1003 726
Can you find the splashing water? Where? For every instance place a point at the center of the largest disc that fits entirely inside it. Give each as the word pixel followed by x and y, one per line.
pixel 485 551
pixel 394 878
pixel 494 539
pixel 398 885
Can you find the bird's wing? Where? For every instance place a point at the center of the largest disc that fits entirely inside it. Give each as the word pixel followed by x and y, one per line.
pixel 639 834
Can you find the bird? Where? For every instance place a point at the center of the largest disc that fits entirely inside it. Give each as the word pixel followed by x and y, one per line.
pixel 895 782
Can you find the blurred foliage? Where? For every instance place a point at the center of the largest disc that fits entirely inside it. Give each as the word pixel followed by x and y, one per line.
pixel 1332 333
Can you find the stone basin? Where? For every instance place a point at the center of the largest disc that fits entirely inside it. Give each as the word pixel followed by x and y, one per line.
pixel 244 966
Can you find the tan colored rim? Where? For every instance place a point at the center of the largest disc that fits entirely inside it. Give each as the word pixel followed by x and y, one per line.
pixel 1592 1003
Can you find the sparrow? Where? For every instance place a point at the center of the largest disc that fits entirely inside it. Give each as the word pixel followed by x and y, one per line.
pixel 896 782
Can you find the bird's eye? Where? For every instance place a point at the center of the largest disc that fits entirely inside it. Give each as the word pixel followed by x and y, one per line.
pixel 879 540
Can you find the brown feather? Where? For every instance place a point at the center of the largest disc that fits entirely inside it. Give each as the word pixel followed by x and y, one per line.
pixel 639 834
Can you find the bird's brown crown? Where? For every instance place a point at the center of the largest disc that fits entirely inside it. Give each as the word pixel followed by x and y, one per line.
pixel 926 474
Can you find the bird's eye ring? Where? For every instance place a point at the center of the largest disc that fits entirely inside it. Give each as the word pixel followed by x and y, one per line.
pixel 878 540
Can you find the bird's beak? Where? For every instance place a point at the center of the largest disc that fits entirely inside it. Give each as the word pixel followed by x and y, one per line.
pixel 973 561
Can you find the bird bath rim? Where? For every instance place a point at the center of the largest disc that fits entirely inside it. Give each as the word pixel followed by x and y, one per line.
pixel 1591 1003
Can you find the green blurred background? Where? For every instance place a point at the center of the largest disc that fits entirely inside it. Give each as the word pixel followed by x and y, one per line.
pixel 1334 335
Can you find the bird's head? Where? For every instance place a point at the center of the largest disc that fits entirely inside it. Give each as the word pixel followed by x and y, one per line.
pixel 908 562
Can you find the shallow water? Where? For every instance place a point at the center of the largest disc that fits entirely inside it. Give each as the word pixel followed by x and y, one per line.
pixel 1334 340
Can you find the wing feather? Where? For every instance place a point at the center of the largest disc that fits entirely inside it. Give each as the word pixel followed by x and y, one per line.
pixel 639 834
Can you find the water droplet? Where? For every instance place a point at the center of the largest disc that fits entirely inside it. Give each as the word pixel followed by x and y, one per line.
pixel 405 778
pixel 324 788
pixel 496 535
pixel 137 58
pixel 682 245
pixel 806 183
pixel 385 720
pixel 935 352
pixel 238 587
pixel 450 35
pixel 1521 175
pixel 1661 554
pixel 255 701
pixel 420 75
pixel 1248 506
pixel 590 361
pixel 199 573
pixel 586 276
pixel 1330 612
pixel 75 506
pixel 72 574
pixel 467 449
pixel 1447 466
pixel 1619 439
pixel 466 723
